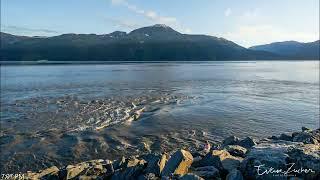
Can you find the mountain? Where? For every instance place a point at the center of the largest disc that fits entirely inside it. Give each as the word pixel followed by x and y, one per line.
pixel 156 43
pixel 292 49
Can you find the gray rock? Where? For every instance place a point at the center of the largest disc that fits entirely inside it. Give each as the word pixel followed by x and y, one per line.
pixel 166 178
pixel 305 137
pixel 247 142
pixel 231 163
pixel 133 169
pixel 266 155
pixel 231 140
pixel 49 173
pixel 109 168
pixel 119 163
pixel 207 172
pixel 285 137
pixel 305 129
pixel 213 158
pixel 155 164
pixel 306 156
pixel 220 159
pixel 149 176
pixel 178 163
pixel 72 171
pixel 93 177
pixel 234 175
pixel 236 150
pixel 190 176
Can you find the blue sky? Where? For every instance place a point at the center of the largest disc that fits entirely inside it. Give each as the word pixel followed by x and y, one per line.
pixel 246 22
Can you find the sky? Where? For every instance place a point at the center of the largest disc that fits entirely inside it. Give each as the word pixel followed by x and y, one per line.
pixel 245 22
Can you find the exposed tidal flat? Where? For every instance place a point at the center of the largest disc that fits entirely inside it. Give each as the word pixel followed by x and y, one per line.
pixel 55 115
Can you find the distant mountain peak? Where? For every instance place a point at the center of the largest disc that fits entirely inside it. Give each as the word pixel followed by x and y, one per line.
pixel 117 34
pixel 155 30
pixel 161 26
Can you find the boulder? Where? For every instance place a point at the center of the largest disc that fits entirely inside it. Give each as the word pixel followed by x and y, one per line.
pixel 95 170
pixel 118 164
pixel 306 156
pixel 207 172
pixel 265 156
pixel 230 163
pixel 49 173
pixel 220 159
pixel 305 129
pixel 231 140
pixel 148 176
pixel 247 142
pixel 84 177
pixel 178 163
pixel 236 150
pixel 285 137
pixel 133 169
pixel 73 171
pixel 87 170
pixel 155 164
pixel 109 167
pixel 307 137
pixel 213 158
pixel 190 176
pixel 234 175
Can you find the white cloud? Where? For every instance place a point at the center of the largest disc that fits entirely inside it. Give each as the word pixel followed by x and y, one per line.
pixel 251 14
pixel 123 23
pixel 227 12
pixel 151 15
pixel 117 1
pixel 262 34
pixel 27 30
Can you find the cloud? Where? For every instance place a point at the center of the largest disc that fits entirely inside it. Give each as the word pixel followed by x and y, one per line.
pixel 262 34
pixel 123 23
pixel 251 14
pixel 26 30
pixel 149 14
pixel 227 12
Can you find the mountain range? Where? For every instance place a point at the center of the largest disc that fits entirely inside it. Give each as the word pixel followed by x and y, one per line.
pixel 153 43
pixel 292 49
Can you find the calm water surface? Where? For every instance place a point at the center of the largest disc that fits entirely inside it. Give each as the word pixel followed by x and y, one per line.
pixel 60 114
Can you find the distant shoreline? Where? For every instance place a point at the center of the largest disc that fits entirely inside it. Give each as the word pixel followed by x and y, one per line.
pixel 133 62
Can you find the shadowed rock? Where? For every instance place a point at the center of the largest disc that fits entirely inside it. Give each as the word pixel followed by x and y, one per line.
pixel 156 163
pixel 234 175
pixel 220 159
pixel 149 176
pixel 307 137
pixel 190 177
pixel 247 142
pixel 231 140
pixel 236 150
pixel 178 163
pixel 207 172
pixel 133 168
pixel 265 155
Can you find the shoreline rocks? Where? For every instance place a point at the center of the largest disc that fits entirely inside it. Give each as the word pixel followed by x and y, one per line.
pixel 295 156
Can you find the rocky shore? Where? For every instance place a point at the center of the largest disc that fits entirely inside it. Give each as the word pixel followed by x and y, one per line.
pixel 288 156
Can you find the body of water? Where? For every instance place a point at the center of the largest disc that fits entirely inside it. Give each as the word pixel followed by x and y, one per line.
pixel 61 114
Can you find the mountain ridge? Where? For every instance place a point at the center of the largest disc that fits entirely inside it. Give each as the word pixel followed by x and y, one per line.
pixel 292 49
pixel 151 43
